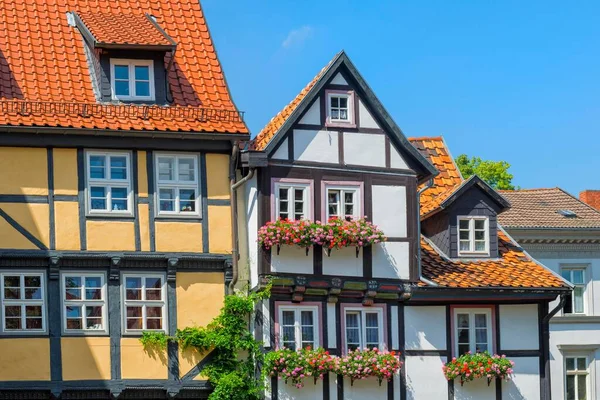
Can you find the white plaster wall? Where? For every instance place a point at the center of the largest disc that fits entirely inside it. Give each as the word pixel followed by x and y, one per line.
pixel 365 389
pixel 266 328
pixel 425 327
pixel 318 146
pixel 333 391
pixel 525 383
pixel 391 260
pixel 313 115
pixel 396 160
pixel 343 262
pixel 282 151
pixel 292 259
pixel 364 149
pixel 395 328
pixel 519 327
pixel 366 120
pixel 475 390
pixel 339 80
pixel 389 210
pixel 251 214
pixel 396 386
pixel 424 378
pixel 310 390
pixel 331 326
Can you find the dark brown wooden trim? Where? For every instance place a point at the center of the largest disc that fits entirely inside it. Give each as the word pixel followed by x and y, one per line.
pixel 323 105
pixel 306 170
pixel 368 211
pixel 290 144
pixel 353 129
pixel 402 350
pixel 333 86
pixel 388 153
pixel 449 347
pixel 341 148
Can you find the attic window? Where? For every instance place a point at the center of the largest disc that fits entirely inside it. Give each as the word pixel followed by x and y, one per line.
pixel 473 236
pixel 340 108
pixel 132 80
pixel 567 213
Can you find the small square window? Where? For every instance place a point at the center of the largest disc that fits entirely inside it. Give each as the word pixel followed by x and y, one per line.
pixel 132 79
pixel 343 202
pixel 292 200
pixel 84 302
pixel 144 303
pixel 108 183
pixel 473 236
pixel 340 108
pixel 177 185
pixel 363 328
pixel 23 302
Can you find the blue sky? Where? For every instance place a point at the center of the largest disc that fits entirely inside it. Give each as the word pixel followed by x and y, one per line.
pixel 504 80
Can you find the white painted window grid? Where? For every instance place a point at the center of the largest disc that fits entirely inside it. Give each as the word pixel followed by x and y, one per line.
pixel 84 302
pixel 132 79
pixel 473 235
pixel 340 107
pixel 298 326
pixel 576 303
pixel 577 385
pixel 472 330
pixel 292 200
pixel 144 303
pixel 109 183
pixel 177 185
pixel 23 302
pixel 363 328
pixel 343 201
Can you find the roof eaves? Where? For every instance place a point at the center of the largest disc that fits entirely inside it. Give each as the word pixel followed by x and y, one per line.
pixel 472 181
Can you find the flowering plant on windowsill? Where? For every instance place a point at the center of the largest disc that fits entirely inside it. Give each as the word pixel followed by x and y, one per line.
pixel 336 233
pixel 362 364
pixel 479 365
pixel 295 366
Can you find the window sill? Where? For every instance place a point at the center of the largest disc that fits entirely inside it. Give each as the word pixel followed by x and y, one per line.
pixel 340 125
pixel 474 254
pixel 575 318
pixel 104 216
pixel 86 334
pixel 179 218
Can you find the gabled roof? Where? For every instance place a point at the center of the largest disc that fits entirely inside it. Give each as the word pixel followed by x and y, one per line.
pixel 541 209
pixel 123 30
pixel 45 74
pixel 513 269
pixel 270 135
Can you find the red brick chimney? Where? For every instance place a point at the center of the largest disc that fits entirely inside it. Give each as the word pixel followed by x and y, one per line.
pixel 591 197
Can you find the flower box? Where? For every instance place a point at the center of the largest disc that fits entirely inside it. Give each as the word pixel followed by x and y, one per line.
pixel 335 234
pixel 362 364
pixel 296 366
pixel 479 365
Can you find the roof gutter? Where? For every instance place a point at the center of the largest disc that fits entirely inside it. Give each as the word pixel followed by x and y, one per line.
pixel 424 188
pixel 235 253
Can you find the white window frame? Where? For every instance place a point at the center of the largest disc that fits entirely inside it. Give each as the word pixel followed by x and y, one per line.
pixel 83 303
pixel 177 185
pixel 472 338
pixel 291 187
pixel 471 231
pixel 131 65
pixel 363 325
pixel 342 204
pixel 577 372
pixel 23 302
pixel 144 303
pixel 108 183
pixel 583 286
pixel 298 324
pixel 340 94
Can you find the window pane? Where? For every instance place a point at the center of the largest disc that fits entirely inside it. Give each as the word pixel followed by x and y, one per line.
pixel 133 283
pixel 72 282
pixel 480 320
pixel 343 114
pixel 167 199
pixel 479 235
pixel 118 167
pixel 481 347
pixel 165 168
pixel 479 246
pixel 570 387
pixel 153 294
pixel 335 102
pixel 581 387
pixel 283 193
pixel 287 318
pixel 352 336
pixel 570 363
pixel 134 323
pixel 308 334
pixel 463 320
pixel 33 311
pixel 12 281
pixel 93 282
pixel 289 334
pixel 186 169
pixel 335 114
pixel 465 245
pixel 479 224
pixel 578 299
pixel 32 281
pixel 187 200
pixel 481 335
pixel 463 348
pixel 134 312
pixel 463 224
pixel 463 336
pixel 122 88
pixel 577 276
pixel 119 199
pixel 12 311
pixel 121 72
pixel 73 294
pixel 74 323
pixel 352 320
pixel 306 318
pixel 142 72
pixel 566 273
pixel 154 324
pixel 464 235
pixel 142 89
pixel 153 283
pixel 12 293
pixel 93 311
pixel 33 294
pixel 154 312
pixel 73 311
pixel 371 320
pixel 372 337
pixel 93 294
pixel 98 196
pixel 581 365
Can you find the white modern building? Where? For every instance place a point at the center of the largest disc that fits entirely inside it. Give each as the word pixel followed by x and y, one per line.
pixel 563 233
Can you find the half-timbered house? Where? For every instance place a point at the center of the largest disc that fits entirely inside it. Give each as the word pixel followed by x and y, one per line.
pixel 448 279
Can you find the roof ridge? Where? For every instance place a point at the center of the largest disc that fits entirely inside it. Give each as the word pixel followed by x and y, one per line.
pixel 529 190
pixel 580 201
pixel 425 138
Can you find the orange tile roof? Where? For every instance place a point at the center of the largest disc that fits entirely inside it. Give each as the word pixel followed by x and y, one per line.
pixel 512 269
pixel 268 132
pixel 121 28
pixel 42 59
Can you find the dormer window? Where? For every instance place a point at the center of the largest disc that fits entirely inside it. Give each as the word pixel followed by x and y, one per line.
pixel 473 236
pixel 132 80
pixel 340 108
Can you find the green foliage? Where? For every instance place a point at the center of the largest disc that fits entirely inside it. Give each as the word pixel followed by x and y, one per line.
pixel 495 173
pixel 294 366
pixel 154 340
pixel 228 336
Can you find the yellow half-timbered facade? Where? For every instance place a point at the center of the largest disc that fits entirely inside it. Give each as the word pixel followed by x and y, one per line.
pixel 116 147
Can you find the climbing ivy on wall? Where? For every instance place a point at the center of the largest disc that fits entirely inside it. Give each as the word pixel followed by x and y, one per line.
pixel 229 337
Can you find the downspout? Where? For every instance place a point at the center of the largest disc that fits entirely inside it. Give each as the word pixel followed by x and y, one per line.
pixel 168 95
pixel 427 186
pixel 545 346
pixel 235 253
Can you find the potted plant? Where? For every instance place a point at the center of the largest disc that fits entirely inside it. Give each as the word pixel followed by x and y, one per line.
pixel 471 366
pixel 362 364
